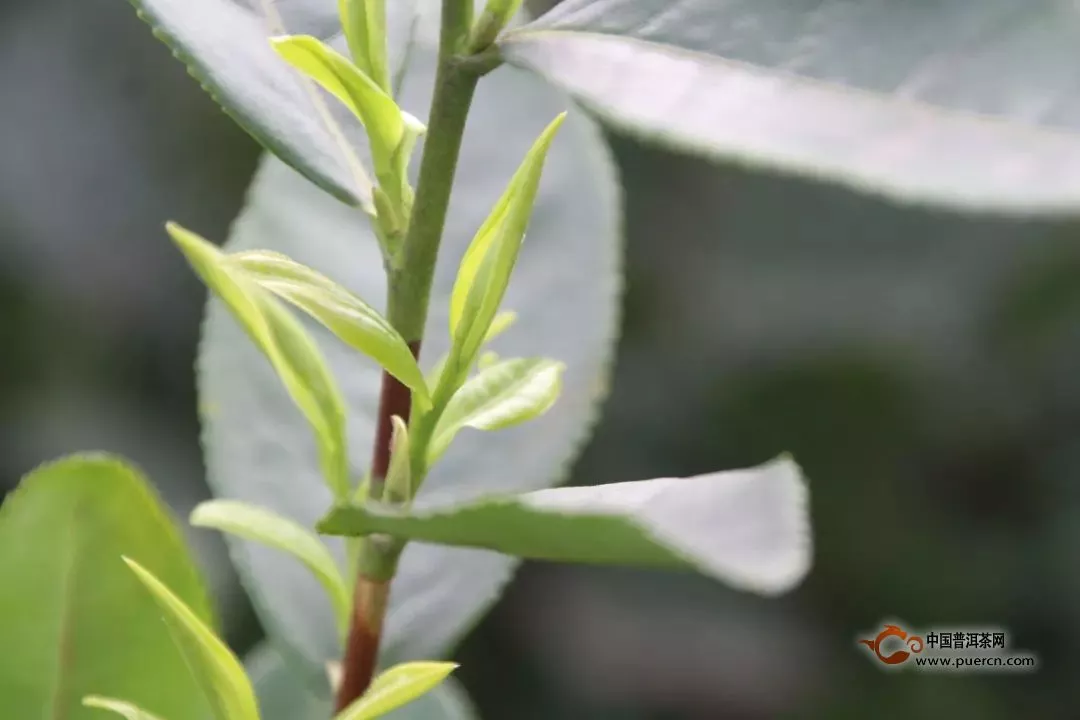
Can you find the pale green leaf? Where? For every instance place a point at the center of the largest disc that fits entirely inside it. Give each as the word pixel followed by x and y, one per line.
pixel 364 22
pixel 566 290
pixel 502 322
pixel 274 530
pixel 354 321
pixel 399 481
pixel 499 396
pixel 120 707
pixel 371 104
pixel 218 672
pixel 224 45
pixel 969 104
pixel 414 130
pixel 434 375
pixel 488 263
pixel 487 359
pixel 286 695
pixel 396 687
pixel 749 528
pixel 73 620
pixel 286 344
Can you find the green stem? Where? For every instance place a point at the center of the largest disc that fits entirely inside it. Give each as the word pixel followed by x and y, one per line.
pixel 410 284
pixel 408 298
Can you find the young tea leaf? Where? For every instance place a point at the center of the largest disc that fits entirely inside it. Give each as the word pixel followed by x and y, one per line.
pixel 125 709
pixel 499 396
pixel 487 359
pixel 269 528
pixel 364 22
pixel 399 475
pixel 434 375
pixel 749 528
pixel 372 105
pixel 284 693
pixel 286 345
pixel 397 686
pixel 486 267
pixel 500 324
pixel 355 322
pixel 218 672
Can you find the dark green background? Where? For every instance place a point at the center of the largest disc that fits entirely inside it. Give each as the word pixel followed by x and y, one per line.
pixel 920 365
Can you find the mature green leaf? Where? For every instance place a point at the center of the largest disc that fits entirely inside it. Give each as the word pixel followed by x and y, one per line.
pixel 284 342
pixel 284 695
pixel 967 104
pixel 396 687
pixel 219 674
pixel 749 528
pixel 120 707
pixel 224 45
pixel 274 530
pixel 63 590
pixel 364 22
pixel 336 74
pixel 342 312
pixel 565 290
pixel 499 396
pixel 486 267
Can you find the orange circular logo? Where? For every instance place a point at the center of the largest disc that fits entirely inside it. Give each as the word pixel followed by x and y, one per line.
pixel 914 643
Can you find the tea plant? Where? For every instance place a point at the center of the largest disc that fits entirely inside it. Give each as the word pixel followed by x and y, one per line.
pixel 334 216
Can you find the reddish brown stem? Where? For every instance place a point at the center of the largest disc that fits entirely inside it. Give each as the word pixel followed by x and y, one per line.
pixel 370 594
pixel 362 647
pixel 393 400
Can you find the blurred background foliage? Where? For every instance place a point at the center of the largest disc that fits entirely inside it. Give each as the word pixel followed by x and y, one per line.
pixel 920 365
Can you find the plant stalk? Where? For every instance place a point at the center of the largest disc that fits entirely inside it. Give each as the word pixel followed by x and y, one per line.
pixel 407 309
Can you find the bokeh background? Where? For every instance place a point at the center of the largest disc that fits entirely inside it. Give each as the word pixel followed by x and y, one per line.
pixel 922 366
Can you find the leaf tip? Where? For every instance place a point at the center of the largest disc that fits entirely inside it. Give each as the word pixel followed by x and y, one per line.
pixel 200 516
pixel 413 123
pixel 794 559
pixel 288 46
pixel 442 670
pixel 176 231
pixel 146 577
pixel 287 39
pixel 188 241
pixel 788 458
pixel 553 127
